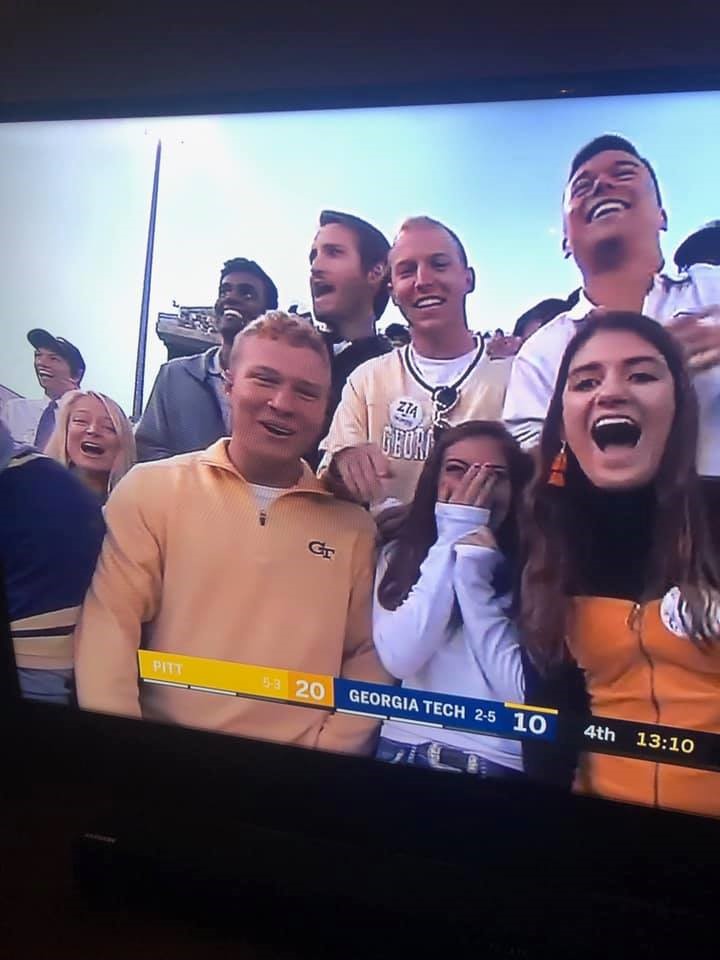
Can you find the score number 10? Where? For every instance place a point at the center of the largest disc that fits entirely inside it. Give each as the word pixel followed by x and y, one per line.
pixel 534 723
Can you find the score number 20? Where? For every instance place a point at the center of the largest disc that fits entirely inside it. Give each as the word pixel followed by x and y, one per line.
pixel 310 690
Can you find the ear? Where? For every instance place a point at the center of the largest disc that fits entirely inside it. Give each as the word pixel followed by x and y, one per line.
pixel 469 280
pixel 378 275
pixel 663 219
pixel 567 252
pixel 377 272
pixel 227 383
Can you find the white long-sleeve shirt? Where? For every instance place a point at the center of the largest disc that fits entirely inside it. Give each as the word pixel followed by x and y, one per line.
pixel 535 368
pixel 22 416
pixel 427 646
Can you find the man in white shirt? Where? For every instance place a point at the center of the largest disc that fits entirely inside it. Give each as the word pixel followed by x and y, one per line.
pixel 391 406
pixel 59 367
pixel 612 219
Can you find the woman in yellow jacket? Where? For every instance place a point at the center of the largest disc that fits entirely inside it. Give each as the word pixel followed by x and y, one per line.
pixel 620 610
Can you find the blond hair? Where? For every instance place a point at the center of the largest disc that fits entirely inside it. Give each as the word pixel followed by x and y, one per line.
pixel 57 444
pixel 421 222
pixel 276 325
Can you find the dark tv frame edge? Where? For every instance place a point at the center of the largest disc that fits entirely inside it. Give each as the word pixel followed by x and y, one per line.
pixel 146 782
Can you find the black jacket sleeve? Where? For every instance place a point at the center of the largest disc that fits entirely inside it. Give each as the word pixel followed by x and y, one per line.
pixel 563 688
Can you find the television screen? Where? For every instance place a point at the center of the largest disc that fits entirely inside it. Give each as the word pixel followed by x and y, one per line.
pixel 390 432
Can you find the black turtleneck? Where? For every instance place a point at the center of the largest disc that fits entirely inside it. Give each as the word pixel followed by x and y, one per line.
pixel 613 535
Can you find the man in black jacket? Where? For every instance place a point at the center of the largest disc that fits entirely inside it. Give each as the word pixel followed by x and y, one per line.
pixel 188 408
pixel 349 288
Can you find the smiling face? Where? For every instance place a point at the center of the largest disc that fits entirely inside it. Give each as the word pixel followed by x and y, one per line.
pixel 611 196
pixel 92 442
pixel 278 395
pixel 618 409
pixel 429 279
pixel 53 373
pixel 340 286
pixel 457 460
pixel 241 299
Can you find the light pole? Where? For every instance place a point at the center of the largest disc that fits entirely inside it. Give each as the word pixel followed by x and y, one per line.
pixel 145 305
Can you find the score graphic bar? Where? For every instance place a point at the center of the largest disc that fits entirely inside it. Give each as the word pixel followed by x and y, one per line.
pixel 445 710
pixel 517 720
pixel 659 744
pixel 236 679
pixel 645 741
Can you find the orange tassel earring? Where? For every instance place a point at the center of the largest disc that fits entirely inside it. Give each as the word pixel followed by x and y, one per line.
pixel 558 468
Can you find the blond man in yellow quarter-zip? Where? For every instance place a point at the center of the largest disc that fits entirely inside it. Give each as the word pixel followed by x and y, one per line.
pixel 238 553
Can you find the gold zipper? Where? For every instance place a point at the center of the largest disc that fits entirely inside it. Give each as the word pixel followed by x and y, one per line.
pixel 634 622
pixel 634 618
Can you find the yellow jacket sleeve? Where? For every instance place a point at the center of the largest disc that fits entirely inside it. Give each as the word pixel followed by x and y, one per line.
pixel 345 733
pixel 124 594
pixel 349 426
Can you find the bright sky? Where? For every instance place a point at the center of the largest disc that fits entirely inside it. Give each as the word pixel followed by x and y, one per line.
pixel 75 196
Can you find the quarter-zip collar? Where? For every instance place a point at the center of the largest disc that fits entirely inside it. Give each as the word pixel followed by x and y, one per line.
pixel 217 456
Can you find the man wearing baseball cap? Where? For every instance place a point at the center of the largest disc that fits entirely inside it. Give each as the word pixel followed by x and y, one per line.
pixel 702 246
pixel 59 367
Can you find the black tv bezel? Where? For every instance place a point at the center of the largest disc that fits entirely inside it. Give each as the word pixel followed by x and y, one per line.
pixel 586 843
pixel 474 89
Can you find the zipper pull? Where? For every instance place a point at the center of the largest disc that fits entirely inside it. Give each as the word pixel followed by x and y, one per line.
pixel 633 618
pixel 263 518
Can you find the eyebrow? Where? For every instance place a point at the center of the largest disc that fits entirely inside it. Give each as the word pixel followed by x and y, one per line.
pixel 308 385
pixel 270 371
pixel 327 243
pixel 584 172
pixel 407 262
pixel 629 362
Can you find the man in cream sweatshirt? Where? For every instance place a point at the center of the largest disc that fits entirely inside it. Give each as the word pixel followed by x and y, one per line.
pixel 391 406
pixel 217 554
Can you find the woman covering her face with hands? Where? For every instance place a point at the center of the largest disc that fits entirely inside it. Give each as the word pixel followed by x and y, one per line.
pixel 441 614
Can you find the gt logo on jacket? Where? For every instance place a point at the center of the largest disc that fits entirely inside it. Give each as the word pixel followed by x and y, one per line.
pixel 320 549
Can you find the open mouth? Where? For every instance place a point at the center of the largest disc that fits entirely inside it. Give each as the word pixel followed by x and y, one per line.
pixel 605 208
pixel 92 449
pixel 615 432
pixel 232 312
pixel 425 303
pixel 277 429
pixel 320 289
pixel 44 374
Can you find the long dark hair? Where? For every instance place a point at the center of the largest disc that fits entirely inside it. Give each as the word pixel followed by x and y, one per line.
pixel 419 530
pixel 680 551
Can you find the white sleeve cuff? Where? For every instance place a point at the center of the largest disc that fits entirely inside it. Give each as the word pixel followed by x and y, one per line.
pixel 454 520
pixel 484 559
